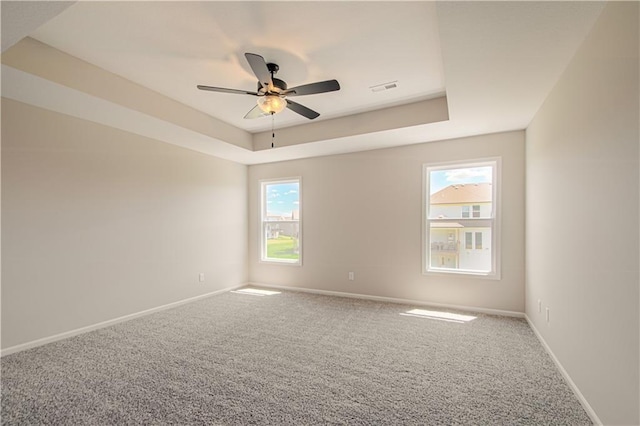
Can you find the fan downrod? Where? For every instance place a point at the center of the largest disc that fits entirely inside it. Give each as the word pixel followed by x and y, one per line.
pixel 273 68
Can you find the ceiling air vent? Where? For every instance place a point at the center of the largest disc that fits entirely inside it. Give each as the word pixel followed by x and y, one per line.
pixel 384 86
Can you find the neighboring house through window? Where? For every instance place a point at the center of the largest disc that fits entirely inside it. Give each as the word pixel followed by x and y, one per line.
pixel 467 209
pixel 461 218
pixel 280 239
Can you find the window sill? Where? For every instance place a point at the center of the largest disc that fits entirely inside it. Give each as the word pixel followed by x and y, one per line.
pixel 461 273
pixel 281 262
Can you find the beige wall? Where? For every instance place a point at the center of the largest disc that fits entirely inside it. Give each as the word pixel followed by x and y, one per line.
pixel 98 223
pixel 362 212
pixel 582 217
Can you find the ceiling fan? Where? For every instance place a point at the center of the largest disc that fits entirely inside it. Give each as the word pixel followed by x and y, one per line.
pixel 272 92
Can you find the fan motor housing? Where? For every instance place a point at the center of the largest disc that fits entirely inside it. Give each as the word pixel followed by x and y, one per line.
pixel 278 86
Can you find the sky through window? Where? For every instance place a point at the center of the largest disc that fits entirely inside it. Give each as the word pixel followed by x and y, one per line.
pixel 283 198
pixel 440 179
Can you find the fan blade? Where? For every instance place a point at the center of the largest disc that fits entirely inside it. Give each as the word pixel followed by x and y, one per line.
pixel 313 88
pixel 259 67
pixel 302 110
pixel 256 112
pixel 223 90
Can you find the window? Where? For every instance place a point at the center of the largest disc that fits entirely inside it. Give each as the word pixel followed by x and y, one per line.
pixel 466 210
pixel 478 240
pixel 461 218
pixel 280 236
pixel 468 238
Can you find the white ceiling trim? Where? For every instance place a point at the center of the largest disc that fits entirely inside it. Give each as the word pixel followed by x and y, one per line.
pixel 40 92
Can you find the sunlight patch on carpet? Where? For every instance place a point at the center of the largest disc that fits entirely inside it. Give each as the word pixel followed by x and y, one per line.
pixel 437 315
pixel 256 292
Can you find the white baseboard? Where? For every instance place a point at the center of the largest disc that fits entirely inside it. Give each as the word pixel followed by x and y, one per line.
pixel 396 300
pixel 583 401
pixel 82 330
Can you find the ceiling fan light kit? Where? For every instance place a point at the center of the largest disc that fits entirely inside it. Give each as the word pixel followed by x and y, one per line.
pixel 272 92
pixel 272 104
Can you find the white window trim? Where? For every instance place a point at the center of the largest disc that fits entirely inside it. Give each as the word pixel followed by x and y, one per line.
pixel 263 214
pixel 495 273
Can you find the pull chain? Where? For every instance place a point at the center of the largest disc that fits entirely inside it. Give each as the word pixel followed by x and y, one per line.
pixel 273 133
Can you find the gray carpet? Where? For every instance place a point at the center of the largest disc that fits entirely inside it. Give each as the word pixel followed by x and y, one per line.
pixel 291 359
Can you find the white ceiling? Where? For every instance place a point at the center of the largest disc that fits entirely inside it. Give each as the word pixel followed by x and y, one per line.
pixel 496 62
pixel 170 47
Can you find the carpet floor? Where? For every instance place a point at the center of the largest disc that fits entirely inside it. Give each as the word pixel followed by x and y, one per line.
pixel 292 359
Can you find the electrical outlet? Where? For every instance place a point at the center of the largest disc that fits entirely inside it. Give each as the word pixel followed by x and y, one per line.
pixel 201 277
pixel 352 276
pixel 548 313
pixel 539 306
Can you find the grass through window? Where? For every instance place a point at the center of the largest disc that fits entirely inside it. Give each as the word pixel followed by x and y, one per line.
pixel 283 247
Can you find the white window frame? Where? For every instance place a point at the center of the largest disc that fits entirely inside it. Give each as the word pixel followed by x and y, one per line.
pixel 264 221
pixel 494 221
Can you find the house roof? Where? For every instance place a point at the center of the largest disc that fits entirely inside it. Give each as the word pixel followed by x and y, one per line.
pixel 464 194
pixel 295 215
